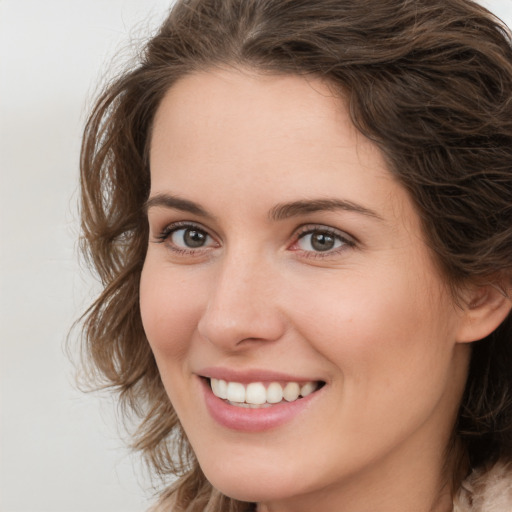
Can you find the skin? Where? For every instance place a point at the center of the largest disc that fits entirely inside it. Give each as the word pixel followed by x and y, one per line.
pixel 372 318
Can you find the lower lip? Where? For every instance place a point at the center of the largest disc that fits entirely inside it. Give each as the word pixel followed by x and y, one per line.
pixel 254 420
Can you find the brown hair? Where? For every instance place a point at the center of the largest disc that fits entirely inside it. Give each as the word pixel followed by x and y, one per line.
pixel 429 81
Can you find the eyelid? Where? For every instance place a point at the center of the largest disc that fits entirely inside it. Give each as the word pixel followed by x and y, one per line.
pixel 347 239
pixel 308 228
pixel 165 234
pixel 181 224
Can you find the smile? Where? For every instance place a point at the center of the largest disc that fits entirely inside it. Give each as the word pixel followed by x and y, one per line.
pixel 256 400
pixel 260 395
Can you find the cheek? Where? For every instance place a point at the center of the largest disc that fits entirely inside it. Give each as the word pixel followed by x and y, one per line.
pixel 390 356
pixel 381 332
pixel 169 310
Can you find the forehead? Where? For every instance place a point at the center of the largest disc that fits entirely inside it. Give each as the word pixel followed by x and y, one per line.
pixel 256 124
pixel 228 94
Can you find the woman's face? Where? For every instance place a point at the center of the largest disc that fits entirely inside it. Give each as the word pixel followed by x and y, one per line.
pixel 284 258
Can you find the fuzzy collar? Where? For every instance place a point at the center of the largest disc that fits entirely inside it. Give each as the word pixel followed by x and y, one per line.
pixel 486 490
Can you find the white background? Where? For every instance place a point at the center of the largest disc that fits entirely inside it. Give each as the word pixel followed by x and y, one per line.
pixel 60 450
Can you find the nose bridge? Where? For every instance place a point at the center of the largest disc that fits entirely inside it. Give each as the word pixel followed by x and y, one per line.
pixel 242 301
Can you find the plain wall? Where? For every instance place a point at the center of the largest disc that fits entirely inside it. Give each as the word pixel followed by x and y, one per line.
pixel 60 449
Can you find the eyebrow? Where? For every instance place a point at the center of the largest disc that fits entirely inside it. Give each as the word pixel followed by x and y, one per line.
pixel 176 203
pixel 296 208
pixel 279 212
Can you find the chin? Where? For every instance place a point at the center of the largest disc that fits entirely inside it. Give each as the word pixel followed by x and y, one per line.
pixel 253 486
pixel 253 491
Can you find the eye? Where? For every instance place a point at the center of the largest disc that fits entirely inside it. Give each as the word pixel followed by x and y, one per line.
pixel 321 240
pixel 186 238
pixel 190 238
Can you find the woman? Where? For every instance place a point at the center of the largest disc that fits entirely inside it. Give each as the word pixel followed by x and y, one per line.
pixel 301 213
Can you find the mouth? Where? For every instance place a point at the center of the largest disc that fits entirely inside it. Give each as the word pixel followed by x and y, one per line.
pixel 258 400
pixel 261 395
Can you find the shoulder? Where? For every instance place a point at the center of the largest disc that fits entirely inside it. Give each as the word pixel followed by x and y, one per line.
pixel 486 490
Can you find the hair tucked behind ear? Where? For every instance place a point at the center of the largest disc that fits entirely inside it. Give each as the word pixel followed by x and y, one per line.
pixel 429 81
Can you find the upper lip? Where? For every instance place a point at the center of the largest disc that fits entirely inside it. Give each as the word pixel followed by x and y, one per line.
pixel 251 375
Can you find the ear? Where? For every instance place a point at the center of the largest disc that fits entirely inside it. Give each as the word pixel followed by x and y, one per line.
pixel 485 308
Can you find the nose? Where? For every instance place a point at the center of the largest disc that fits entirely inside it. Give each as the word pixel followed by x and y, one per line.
pixel 242 307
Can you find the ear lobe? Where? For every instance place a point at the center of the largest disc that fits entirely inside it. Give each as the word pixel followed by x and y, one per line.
pixel 486 309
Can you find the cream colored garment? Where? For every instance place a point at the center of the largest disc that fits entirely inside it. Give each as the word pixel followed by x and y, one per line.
pixel 486 491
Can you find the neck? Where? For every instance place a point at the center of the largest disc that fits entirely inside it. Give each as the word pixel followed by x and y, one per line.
pixel 425 484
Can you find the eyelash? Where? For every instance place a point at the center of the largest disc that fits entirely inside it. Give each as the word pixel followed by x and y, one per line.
pixel 169 230
pixel 346 240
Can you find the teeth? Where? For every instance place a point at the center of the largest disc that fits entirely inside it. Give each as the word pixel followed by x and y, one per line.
pixel 308 388
pixel 274 393
pixel 236 392
pixel 291 391
pixel 256 394
pixel 220 388
pixel 250 406
pixel 223 389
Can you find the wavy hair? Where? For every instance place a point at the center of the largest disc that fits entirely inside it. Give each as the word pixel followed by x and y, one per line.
pixel 428 81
